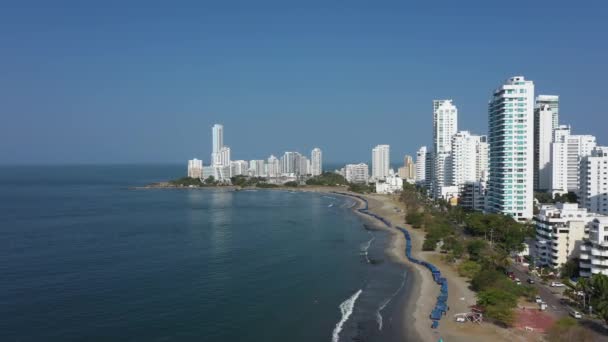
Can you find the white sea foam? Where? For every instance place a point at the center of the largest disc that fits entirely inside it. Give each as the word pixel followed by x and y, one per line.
pixel 388 300
pixel 365 249
pixel 346 308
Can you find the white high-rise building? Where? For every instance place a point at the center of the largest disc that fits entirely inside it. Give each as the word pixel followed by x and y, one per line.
pixel 274 167
pixel 593 193
pixel 288 163
pixel 239 168
pixel 566 155
pixel 543 137
pixel 511 141
pixel 553 102
pixel 316 158
pixel 220 154
pixel 302 166
pixel 560 230
pixel 257 168
pixel 482 159
pixel 356 173
pixel 421 165
pixel 445 125
pixel 465 158
pixel 594 252
pixel 217 144
pixel 195 168
pixel 380 162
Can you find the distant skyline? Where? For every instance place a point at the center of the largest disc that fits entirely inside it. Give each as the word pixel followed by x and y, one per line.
pixel 144 82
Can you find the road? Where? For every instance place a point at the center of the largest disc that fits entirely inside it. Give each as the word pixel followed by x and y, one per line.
pixel 552 296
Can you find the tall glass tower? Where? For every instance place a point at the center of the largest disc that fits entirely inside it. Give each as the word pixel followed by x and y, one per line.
pixel 511 144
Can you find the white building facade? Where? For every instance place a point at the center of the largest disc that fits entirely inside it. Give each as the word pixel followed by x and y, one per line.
pixel 390 185
pixel 560 230
pixel 594 252
pixel 445 125
pixel 593 193
pixel 380 162
pixel 421 165
pixel 566 155
pixel 195 168
pixel 273 167
pixel 511 145
pixel 239 168
pixel 552 101
pixel 316 161
pixel 356 173
pixel 543 137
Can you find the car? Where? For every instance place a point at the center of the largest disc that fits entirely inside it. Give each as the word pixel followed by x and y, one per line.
pixel 557 284
pixel 576 314
pixel 517 281
pixel 530 281
pixel 538 299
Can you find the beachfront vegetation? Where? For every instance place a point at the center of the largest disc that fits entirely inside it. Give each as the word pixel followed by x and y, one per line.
pixel 567 329
pixel 361 188
pixel 291 184
pixel 480 245
pixel 187 182
pixel 327 179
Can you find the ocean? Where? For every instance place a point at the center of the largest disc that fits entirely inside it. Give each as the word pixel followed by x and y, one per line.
pixel 84 257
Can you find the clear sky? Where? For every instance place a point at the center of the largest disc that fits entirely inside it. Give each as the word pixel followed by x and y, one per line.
pixel 105 82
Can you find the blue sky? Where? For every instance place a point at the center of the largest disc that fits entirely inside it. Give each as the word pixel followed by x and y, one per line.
pixel 105 82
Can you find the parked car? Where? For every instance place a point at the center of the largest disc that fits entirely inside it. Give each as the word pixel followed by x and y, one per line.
pixel 576 314
pixel 557 284
pixel 539 300
pixel 517 281
pixel 530 281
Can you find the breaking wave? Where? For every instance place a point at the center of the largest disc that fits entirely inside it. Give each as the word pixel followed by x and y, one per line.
pixel 346 308
pixel 386 301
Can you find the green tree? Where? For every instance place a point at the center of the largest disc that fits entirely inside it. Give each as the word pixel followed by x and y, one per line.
pixel 414 218
pixel 469 269
pixel 570 269
pixel 476 248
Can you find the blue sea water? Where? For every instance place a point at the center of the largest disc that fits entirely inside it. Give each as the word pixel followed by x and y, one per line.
pixel 83 257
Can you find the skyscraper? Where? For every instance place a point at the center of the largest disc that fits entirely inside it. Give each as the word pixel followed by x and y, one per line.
pixel 380 162
pixel 217 143
pixel 552 101
pixel 511 142
pixel 566 154
pixel 465 163
pixel 408 170
pixel 316 158
pixel 593 193
pixel 288 162
pixel 274 167
pixel 445 125
pixel 356 173
pixel 195 168
pixel 421 165
pixel 543 136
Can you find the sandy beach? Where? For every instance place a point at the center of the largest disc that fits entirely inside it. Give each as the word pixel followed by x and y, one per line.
pixel 426 290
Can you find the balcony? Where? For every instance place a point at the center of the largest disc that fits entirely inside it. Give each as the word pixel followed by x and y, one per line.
pixel 597 262
pixel 599 252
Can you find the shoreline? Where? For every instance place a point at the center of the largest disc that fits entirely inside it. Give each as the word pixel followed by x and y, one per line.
pixel 419 299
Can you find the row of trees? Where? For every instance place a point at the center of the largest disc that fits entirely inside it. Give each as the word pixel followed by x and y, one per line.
pixel 591 293
pixel 479 244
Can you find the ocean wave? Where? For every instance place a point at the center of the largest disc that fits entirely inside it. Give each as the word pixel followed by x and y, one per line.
pixel 364 250
pixel 386 301
pixel 346 308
